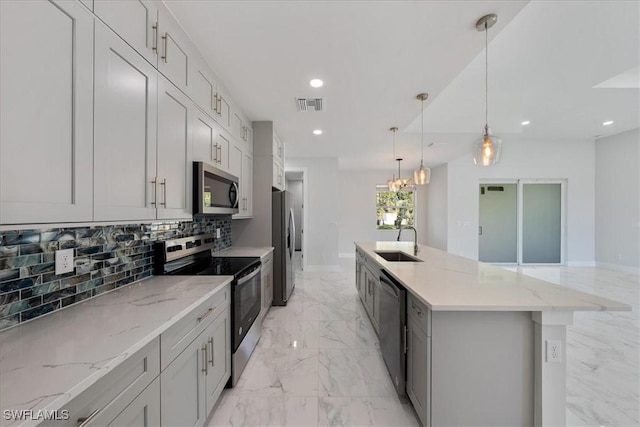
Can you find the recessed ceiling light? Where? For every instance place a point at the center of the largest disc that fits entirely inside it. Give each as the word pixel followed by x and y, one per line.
pixel 607 123
pixel 317 132
pixel 526 122
pixel 316 83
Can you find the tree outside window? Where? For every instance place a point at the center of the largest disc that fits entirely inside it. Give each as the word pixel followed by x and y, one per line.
pixel 394 208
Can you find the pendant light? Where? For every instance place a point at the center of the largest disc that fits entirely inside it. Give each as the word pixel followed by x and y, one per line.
pixel 392 184
pixel 488 148
pixel 422 175
pixel 401 182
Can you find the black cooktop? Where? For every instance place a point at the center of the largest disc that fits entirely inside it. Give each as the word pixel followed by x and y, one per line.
pixel 218 266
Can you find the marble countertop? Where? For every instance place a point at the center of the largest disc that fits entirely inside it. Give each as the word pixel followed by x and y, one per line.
pixel 49 361
pixel 239 251
pixel 449 282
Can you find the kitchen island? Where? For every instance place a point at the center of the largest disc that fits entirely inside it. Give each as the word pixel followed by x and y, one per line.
pixel 485 346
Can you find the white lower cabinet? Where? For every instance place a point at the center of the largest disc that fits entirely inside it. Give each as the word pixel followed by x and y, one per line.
pixel 193 381
pixel 267 283
pixel 196 362
pixel 125 396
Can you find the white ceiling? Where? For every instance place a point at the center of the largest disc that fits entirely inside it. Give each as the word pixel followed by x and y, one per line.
pixel 566 66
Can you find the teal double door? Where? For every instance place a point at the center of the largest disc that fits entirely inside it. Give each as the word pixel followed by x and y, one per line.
pixel 521 222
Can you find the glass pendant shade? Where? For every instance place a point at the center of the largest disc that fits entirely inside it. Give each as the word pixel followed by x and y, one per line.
pixel 487 149
pixel 422 175
pixel 392 185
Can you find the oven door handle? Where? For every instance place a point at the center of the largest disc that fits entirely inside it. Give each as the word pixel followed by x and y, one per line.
pixel 248 277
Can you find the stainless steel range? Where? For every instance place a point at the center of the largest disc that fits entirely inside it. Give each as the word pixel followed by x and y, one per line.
pixel 191 256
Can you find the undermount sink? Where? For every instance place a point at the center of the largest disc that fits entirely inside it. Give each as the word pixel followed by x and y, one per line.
pixel 397 256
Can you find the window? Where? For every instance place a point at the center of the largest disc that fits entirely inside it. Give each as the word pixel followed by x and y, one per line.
pixel 394 209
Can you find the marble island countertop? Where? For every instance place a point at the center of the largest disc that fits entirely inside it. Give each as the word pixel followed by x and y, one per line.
pixel 47 362
pixel 447 282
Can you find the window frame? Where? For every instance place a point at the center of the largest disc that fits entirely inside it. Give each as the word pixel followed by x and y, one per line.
pixel 381 188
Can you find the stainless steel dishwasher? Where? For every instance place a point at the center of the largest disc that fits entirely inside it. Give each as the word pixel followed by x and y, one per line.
pixel 393 331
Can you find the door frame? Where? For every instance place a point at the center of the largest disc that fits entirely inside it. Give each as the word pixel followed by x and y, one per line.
pixel 520 215
pixel 563 226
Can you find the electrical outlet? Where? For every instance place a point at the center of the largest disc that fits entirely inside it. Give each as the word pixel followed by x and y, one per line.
pixel 554 351
pixel 64 261
pixel 217 233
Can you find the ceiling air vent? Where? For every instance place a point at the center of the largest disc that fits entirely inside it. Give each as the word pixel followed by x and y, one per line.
pixel 310 104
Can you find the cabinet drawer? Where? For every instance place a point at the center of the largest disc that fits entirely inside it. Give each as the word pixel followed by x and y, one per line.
pixel 110 395
pixel 419 312
pixel 180 335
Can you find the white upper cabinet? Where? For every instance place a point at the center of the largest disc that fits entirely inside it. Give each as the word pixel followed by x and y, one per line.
pixel 176 52
pixel 135 21
pixel 175 160
pixel 125 131
pixel 203 86
pixel 46 100
pixel 88 3
pixel 245 205
pixel 209 142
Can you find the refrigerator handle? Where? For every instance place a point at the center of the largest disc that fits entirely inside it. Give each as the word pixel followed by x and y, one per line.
pixel 292 233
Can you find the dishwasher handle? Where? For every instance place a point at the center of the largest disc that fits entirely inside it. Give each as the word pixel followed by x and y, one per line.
pixel 389 286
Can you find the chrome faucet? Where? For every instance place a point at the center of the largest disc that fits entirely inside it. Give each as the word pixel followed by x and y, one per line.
pixel 415 237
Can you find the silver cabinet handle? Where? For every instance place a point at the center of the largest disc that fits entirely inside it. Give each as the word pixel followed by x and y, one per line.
pixel 220 154
pixel 215 102
pixel 219 105
pixel 479 230
pixel 153 191
pixel 406 340
pixel 164 42
pixel 155 38
pixel 205 314
pixel 205 368
pixel 164 192
pixel 86 420
pixel 211 346
pixel 214 153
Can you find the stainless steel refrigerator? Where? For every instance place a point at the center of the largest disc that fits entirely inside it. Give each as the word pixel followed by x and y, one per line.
pixel 283 240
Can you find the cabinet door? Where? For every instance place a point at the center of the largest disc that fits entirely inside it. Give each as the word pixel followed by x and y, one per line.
pixel 46 100
pixel 135 21
pixel 144 411
pixel 174 153
pixel 183 392
pixel 222 146
pixel 175 50
pixel 237 125
pixel 235 160
pixel 247 183
pixel 202 86
pixel 204 132
pixel 419 370
pixel 278 176
pixel 125 131
pixel 222 109
pixel 278 149
pixel 219 357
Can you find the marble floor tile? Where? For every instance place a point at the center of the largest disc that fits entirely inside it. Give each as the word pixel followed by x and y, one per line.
pixel 269 411
pixel 365 411
pixel 346 334
pixel 282 332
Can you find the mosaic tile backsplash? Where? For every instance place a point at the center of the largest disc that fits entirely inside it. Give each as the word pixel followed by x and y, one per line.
pixel 106 257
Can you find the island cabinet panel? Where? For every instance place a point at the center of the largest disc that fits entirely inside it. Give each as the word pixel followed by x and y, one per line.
pixel 482 368
pixel 46 125
pixel 144 411
pixel 418 370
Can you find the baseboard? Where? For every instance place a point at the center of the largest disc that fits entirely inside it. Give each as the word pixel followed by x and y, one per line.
pixel 322 268
pixel 347 255
pixel 581 263
pixel 621 268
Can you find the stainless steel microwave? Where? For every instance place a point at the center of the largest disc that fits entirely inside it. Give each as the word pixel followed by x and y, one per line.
pixel 214 191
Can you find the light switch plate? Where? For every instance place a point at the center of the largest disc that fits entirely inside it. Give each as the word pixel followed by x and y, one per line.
pixel 64 261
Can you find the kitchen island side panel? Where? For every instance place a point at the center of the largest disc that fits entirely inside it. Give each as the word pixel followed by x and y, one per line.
pixel 482 368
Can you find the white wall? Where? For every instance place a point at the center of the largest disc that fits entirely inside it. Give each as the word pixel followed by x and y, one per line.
pixel 617 210
pixel 322 210
pixel 573 160
pixel 433 224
